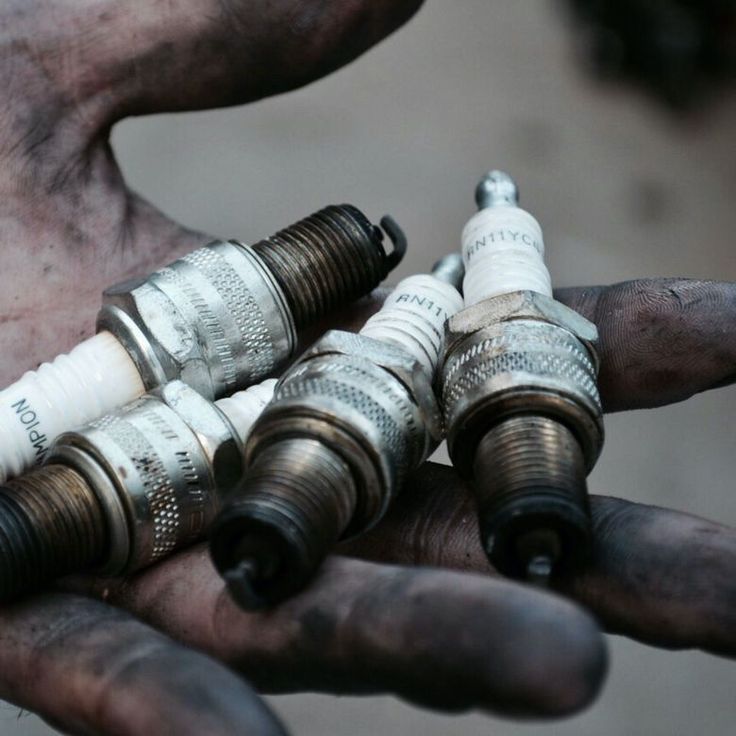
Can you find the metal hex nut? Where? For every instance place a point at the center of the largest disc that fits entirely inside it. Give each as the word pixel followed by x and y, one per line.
pixel 160 339
pixel 513 349
pixel 369 401
pixel 393 359
pixel 215 318
pixel 214 433
pixel 520 305
pixel 158 466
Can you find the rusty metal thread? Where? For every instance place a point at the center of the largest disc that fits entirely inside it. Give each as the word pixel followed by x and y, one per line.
pixel 530 452
pixel 297 500
pixel 529 478
pixel 51 524
pixel 325 261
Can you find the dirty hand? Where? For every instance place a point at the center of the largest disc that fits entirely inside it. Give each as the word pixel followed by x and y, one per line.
pixel 161 653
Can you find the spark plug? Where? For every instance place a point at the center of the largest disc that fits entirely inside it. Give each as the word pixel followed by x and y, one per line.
pixel 221 318
pixel 349 421
pixel 126 490
pixel 519 394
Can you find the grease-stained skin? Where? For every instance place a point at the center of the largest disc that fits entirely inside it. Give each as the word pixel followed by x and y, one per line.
pixel 659 576
pixel 422 615
pixel 68 71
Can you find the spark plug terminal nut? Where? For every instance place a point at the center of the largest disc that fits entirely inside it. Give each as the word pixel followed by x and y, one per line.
pixel 520 399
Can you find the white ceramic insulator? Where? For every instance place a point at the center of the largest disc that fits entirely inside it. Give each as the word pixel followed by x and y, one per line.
pixel 414 317
pixel 97 376
pixel 244 407
pixel 503 251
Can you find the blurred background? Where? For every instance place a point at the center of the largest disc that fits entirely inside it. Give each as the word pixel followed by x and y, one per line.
pixel 623 189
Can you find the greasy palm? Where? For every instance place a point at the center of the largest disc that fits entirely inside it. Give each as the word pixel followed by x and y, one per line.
pixel 165 652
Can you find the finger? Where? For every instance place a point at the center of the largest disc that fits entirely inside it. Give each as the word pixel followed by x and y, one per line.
pixel 659 576
pixel 90 668
pixel 139 56
pixel 661 340
pixel 438 638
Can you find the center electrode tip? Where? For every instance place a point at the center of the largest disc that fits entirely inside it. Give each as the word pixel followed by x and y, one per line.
pixel 539 570
pixel 495 189
pixel 241 583
pixel 450 269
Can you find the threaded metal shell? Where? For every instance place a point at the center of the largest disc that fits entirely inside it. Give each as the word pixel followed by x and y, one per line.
pixel 51 524
pixel 324 261
pixel 310 486
pixel 529 477
pixel 529 452
pixel 301 497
